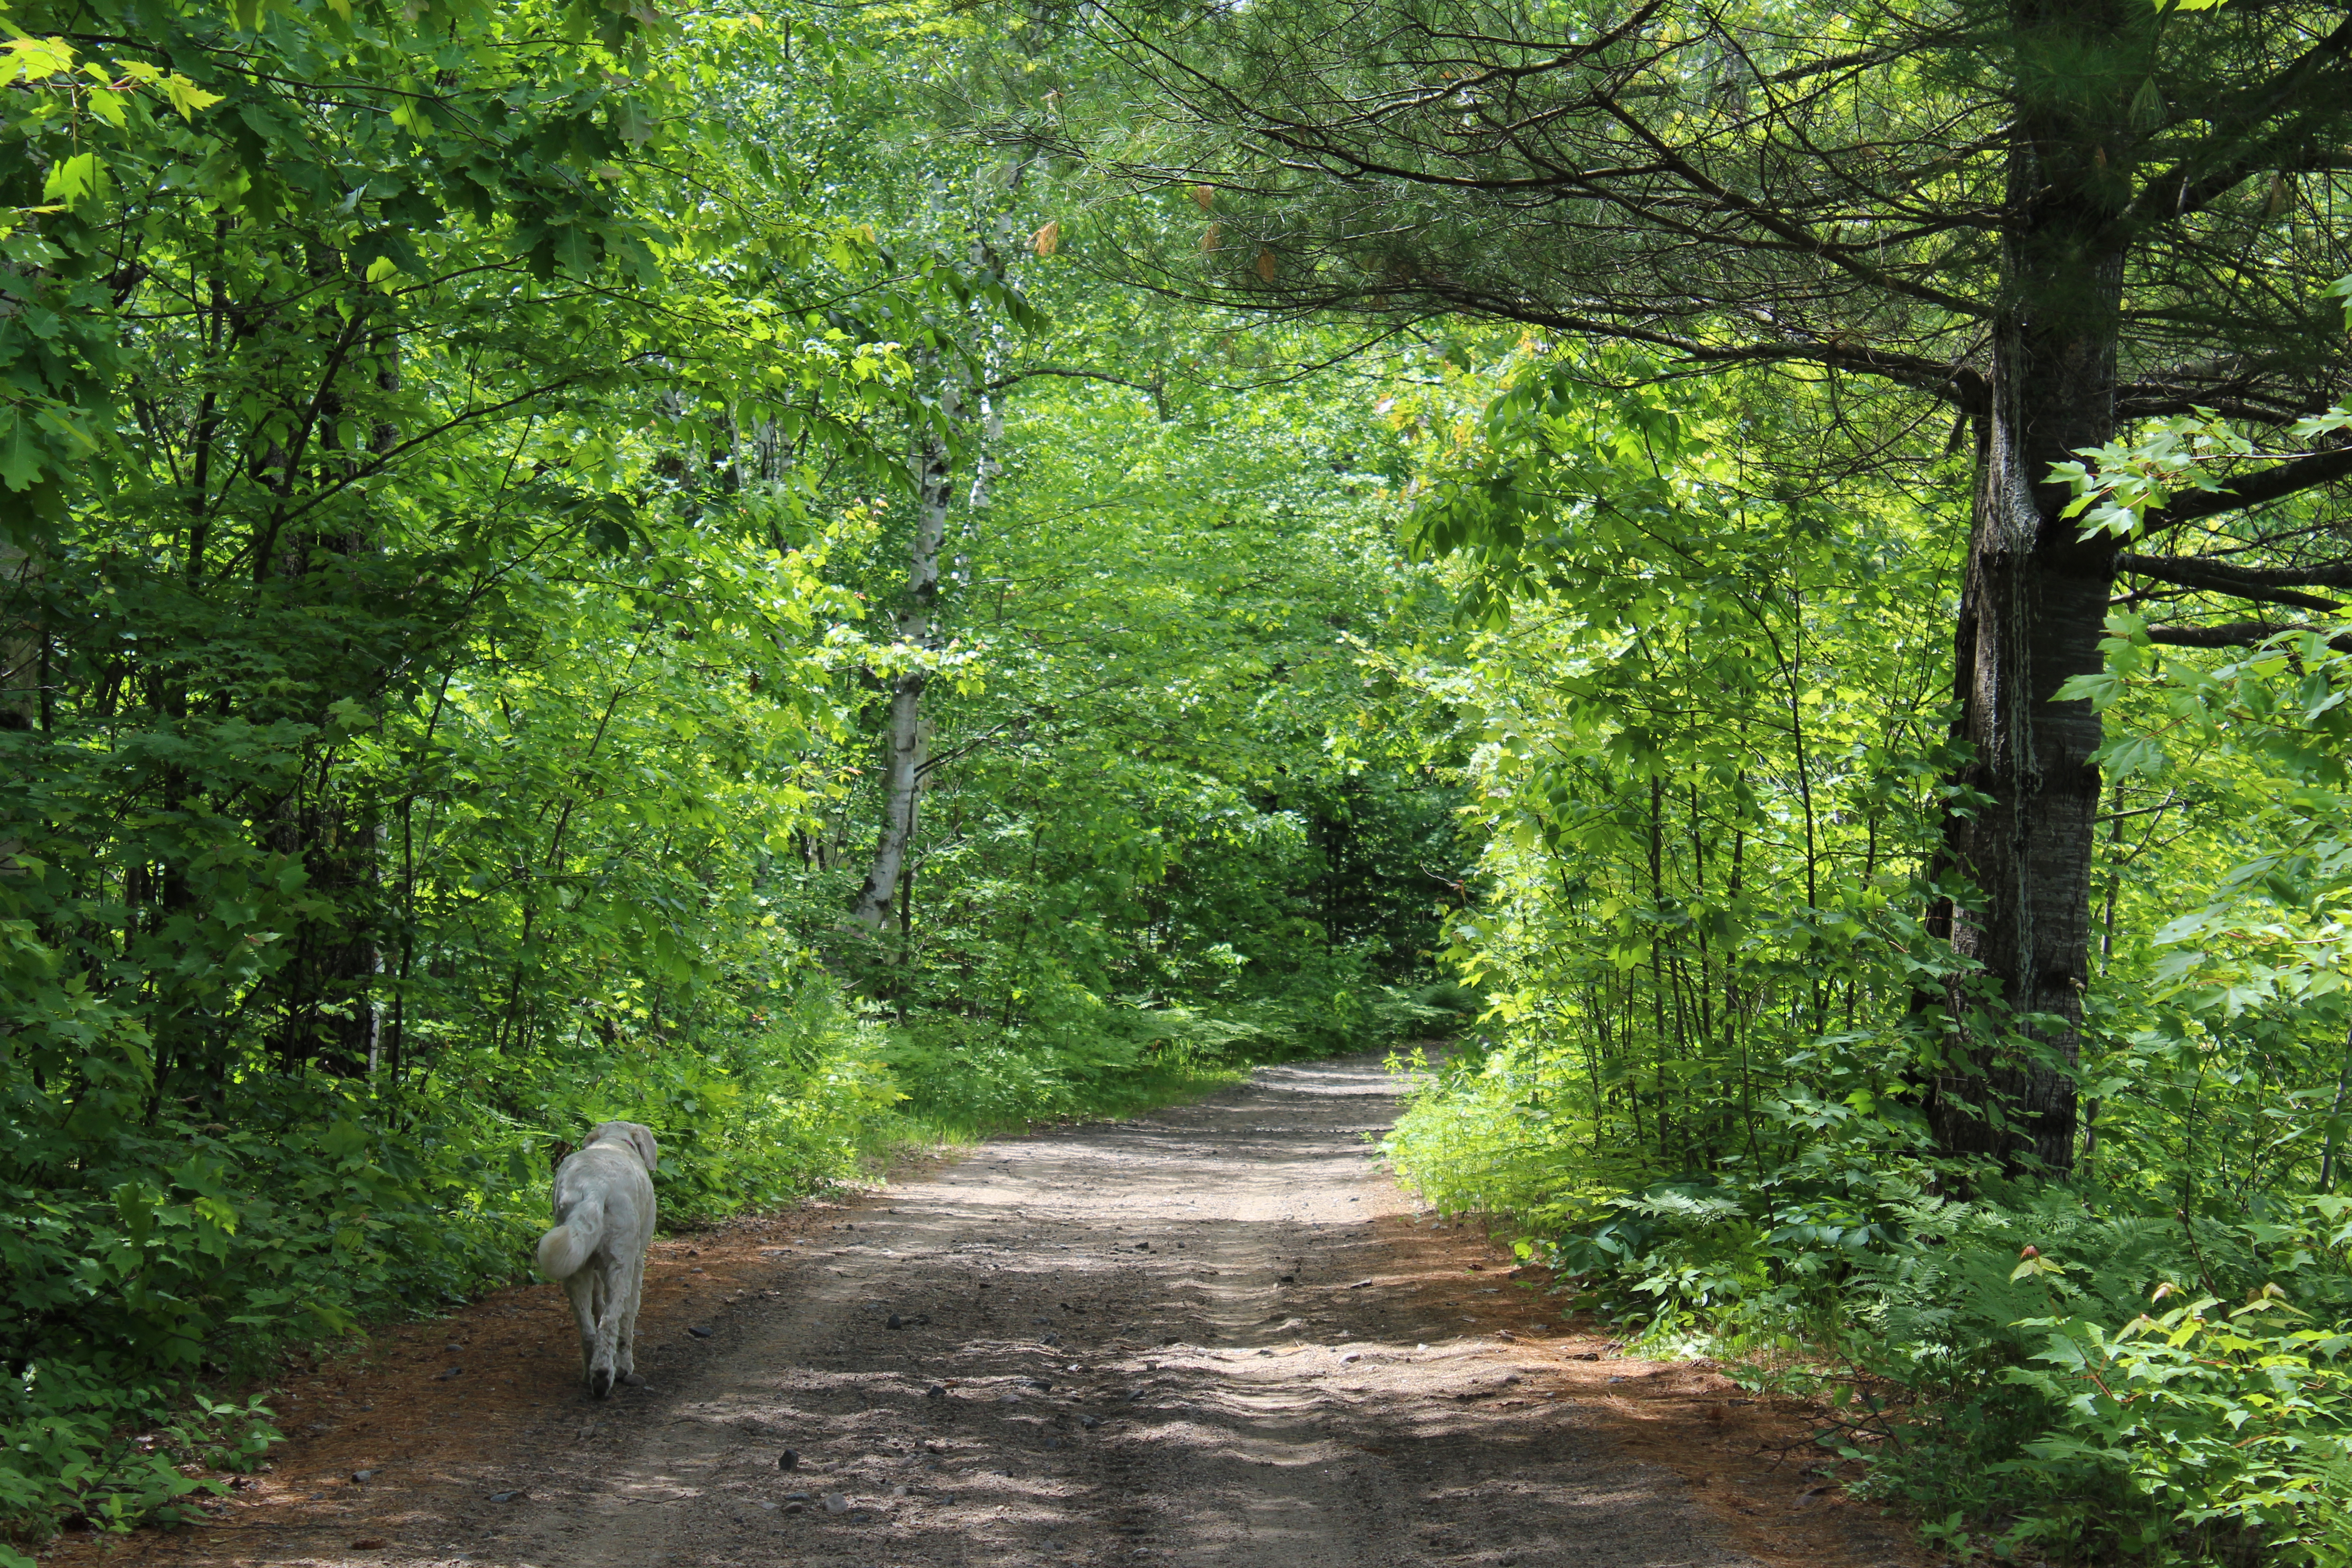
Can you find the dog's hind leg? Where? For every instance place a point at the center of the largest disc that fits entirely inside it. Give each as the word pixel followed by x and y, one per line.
pixel 600 1327
pixel 633 1291
pixel 612 1300
pixel 582 1288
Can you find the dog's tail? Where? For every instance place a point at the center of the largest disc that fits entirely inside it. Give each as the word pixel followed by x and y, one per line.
pixel 563 1250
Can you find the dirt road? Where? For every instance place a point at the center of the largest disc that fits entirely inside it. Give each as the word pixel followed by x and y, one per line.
pixel 1217 1336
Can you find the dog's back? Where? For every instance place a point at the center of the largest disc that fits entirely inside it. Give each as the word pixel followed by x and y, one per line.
pixel 602 1195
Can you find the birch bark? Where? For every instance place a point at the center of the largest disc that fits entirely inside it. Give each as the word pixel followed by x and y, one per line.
pixel 909 737
pixel 918 630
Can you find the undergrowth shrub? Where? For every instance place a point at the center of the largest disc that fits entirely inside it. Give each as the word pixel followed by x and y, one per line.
pixel 2227 1429
pixel 79 1433
pixel 149 1261
pixel 2042 1371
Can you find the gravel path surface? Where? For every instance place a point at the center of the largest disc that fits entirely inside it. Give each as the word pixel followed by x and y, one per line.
pixel 1163 1341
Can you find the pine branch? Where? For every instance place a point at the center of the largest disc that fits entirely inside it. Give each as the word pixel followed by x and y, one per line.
pixel 2264 585
pixel 2257 488
pixel 2234 634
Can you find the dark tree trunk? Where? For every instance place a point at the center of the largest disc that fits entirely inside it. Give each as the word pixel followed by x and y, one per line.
pixel 2032 611
pixel 329 990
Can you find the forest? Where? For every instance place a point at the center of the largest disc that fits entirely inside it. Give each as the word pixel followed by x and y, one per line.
pixel 1746 589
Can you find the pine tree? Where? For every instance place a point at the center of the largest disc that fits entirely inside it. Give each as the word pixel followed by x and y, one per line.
pixel 2053 220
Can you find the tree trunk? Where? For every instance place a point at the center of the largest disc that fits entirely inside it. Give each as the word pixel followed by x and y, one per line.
pixel 332 985
pixel 23 641
pixel 2033 610
pixel 907 734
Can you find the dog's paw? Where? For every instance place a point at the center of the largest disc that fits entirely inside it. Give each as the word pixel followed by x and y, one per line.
pixel 634 1379
pixel 600 1383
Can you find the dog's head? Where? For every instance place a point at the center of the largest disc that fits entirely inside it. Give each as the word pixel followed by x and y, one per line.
pixel 630 1135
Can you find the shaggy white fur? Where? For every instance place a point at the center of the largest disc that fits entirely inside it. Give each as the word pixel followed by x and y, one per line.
pixel 604 1220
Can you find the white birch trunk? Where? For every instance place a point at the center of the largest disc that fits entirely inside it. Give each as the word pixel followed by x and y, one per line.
pixel 903 778
pixel 991 430
pixel 908 738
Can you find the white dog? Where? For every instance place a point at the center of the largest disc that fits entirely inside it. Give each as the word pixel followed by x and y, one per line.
pixel 603 1219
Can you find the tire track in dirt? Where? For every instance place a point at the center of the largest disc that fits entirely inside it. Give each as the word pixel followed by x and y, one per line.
pixel 1216 1337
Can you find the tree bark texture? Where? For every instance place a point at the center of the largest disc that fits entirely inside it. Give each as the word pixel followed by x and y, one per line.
pixel 904 737
pixel 2033 610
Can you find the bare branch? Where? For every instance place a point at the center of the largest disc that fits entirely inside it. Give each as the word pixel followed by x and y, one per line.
pixel 1072 373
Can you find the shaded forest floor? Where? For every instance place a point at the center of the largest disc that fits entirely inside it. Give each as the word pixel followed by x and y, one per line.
pixel 1213 1335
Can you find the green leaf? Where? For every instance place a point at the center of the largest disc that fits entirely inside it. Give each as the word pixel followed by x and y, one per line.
pixel 632 122
pixel 2128 755
pixel 575 250
pixel 74 180
pixel 22 455
pixel 2102 688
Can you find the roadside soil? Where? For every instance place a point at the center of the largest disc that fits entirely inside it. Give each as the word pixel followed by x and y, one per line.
pixel 1217 1336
